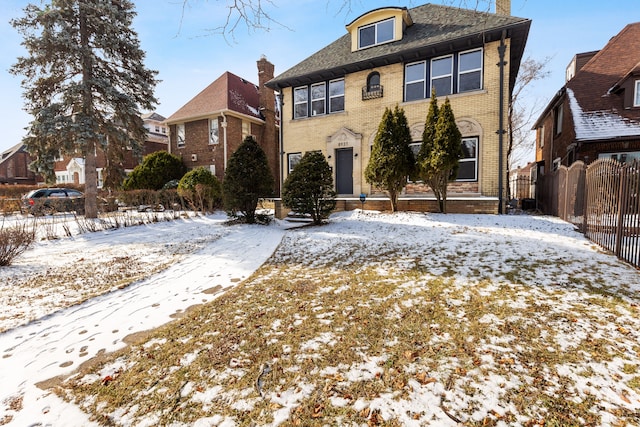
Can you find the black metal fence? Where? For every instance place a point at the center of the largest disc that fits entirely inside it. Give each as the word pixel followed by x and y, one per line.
pixel 601 199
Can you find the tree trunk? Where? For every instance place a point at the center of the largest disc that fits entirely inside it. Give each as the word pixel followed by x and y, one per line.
pixel 90 172
pixel 393 197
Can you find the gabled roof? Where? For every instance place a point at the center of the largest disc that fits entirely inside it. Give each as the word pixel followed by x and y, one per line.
pixel 227 93
pixel 598 111
pixel 11 151
pixel 436 30
pixel 153 116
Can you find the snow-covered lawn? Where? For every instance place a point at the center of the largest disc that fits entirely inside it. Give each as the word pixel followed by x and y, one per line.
pixel 373 319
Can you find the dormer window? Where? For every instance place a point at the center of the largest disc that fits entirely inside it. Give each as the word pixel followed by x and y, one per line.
pixel 375 34
pixel 636 98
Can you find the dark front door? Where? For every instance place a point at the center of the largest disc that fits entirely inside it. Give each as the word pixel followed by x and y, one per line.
pixel 344 171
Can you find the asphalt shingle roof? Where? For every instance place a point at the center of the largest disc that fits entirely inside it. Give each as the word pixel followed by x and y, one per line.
pixel 436 30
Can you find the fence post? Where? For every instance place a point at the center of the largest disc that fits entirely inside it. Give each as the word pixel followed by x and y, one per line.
pixel 585 203
pixel 622 208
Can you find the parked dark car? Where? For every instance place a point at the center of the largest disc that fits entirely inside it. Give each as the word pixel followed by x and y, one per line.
pixel 44 201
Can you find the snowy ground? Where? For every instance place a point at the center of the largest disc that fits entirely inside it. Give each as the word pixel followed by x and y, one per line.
pixel 374 319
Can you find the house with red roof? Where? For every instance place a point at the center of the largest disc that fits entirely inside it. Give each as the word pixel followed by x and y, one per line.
pixel 207 130
pixel 596 114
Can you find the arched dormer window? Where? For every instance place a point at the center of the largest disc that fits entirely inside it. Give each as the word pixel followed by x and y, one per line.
pixel 373 88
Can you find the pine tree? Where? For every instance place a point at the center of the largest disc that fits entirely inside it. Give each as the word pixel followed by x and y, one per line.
pixel 440 150
pixel 309 187
pixel 246 180
pixel 84 83
pixel 391 161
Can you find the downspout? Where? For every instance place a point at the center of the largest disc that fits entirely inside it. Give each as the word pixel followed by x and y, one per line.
pixel 501 51
pixel 280 137
pixel 224 137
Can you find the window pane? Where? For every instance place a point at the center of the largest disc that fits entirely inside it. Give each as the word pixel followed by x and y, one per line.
pixel 442 66
pixel 374 81
pixel 442 86
pixel 637 103
pixel 336 88
pixel 414 91
pixel 294 159
pixel 470 61
pixel 336 104
pixel 300 95
pixel 301 110
pixel 385 31
pixel 367 36
pixel 317 91
pixel 415 72
pixel 470 81
pixel 467 171
pixel 317 107
pixel 469 148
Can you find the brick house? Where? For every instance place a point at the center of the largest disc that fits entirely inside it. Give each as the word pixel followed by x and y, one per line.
pixel 207 130
pixel 596 114
pixel 334 99
pixel 14 167
pixel 70 169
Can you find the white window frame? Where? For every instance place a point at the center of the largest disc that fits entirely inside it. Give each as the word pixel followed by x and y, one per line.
pixel 246 130
pixel 475 159
pixel 214 131
pixel 292 160
pixel 423 79
pixel 212 169
pixel 474 70
pixel 319 100
pixel 305 90
pixel 376 40
pixel 636 98
pixel 332 97
pixel 541 136
pixel 441 76
pixel 180 135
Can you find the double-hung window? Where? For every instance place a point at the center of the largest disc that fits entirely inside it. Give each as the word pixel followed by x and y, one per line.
pixel 470 70
pixel 636 99
pixel 300 102
pixel 318 99
pixel 468 164
pixel 442 75
pixel 336 95
pixel 414 81
pixel 180 135
pixel 374 34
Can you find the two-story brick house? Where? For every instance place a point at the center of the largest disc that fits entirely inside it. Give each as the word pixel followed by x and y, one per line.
pixel 14 166
pixel 333 101
pixel 596 114
pixel 71 170
pixel 208 129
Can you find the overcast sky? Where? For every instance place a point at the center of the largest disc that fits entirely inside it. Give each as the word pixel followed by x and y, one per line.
pixel 189 57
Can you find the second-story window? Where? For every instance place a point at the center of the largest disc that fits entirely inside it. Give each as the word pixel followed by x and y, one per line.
pixel 180 135
pixel 318 99
pixel 414 81
pixel 442 75
pixel 636 102
pixel 336 95
pixel 300 102
pixel 213 131
pixel 378 33
pixel 470 70
pixel 558 119
pixel 313 100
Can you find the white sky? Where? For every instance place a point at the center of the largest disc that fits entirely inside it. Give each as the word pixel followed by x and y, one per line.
pixel 188 57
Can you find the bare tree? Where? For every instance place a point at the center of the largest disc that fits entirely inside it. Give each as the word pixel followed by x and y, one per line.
pixel 520 114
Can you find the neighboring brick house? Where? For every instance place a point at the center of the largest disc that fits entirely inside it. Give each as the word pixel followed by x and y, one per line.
pixel 70 169
pixel 334 100
pixel 14 167
pixel 208 129
pixel 597 113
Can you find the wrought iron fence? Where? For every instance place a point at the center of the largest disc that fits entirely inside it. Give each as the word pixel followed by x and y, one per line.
pixel 602 199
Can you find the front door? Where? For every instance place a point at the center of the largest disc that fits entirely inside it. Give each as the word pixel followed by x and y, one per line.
pixel 344 171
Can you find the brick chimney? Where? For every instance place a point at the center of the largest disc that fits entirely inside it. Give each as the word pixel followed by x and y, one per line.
pixel 269 140
pixel 503 7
